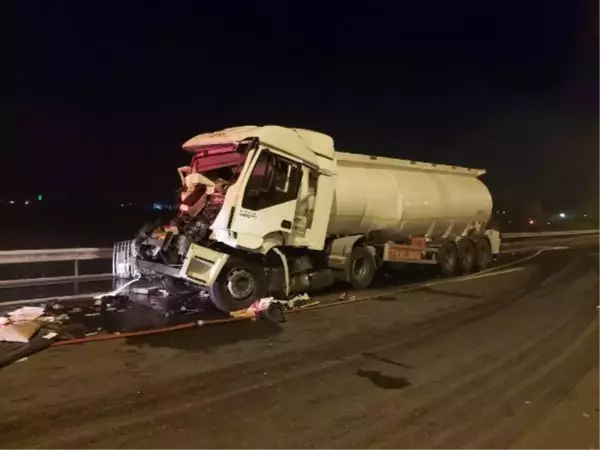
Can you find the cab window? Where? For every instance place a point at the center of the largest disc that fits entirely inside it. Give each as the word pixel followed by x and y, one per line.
pixel 273 181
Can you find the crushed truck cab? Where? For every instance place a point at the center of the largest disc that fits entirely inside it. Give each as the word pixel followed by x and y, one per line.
pixel 275 210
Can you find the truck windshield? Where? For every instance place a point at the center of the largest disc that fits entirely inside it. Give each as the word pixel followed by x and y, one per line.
pixel 210 158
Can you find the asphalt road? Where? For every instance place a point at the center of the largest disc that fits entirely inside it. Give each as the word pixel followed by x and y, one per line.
pixel 496 360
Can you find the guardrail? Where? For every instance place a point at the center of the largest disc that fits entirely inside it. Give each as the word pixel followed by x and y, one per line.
pixel 53 255
pixel 548 234
pixel 81 254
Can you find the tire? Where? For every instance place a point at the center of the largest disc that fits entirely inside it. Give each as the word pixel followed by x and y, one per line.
pixel 448 258
pixel 178 287
pixel 483 256
pixel 239 285
pixel 466 256
pixel 360 268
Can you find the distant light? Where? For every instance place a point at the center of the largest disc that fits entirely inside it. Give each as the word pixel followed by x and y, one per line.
pixel 531 221
pixel 503 212
pixel 562 215
pixel 122 205
pixel 548 223
pixel 27 202
pixel 585 215
pixel 40 198
pixel 12 202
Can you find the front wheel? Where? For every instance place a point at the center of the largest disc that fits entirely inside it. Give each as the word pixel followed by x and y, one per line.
pixel 239 285
pixel 360 269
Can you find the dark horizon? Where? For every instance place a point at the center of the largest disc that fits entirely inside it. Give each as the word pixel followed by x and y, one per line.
pixel 103 98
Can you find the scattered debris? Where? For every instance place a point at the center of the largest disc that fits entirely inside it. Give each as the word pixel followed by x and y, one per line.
pixel 19 331
pixel 152 290
pixel 109 315
pixel 50 335
pixel 586 415
pixel 26 313
pixel 299 301
pixel 343 297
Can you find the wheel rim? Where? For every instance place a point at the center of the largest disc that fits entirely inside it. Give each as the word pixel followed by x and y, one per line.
pixel 240 283
pixel 360 268
pixel 450 259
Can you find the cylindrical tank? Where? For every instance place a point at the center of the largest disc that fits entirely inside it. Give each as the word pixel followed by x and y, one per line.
pixel 395 199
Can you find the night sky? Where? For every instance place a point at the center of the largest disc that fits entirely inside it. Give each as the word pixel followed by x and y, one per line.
pixel 103 94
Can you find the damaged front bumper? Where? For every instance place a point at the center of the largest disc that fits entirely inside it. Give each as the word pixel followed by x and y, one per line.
pixel 201 265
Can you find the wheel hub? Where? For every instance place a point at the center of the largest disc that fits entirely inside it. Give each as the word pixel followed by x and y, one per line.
pixel 240 283
pixel 359 268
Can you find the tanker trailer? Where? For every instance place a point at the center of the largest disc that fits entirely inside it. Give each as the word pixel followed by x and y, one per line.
pixel 296 216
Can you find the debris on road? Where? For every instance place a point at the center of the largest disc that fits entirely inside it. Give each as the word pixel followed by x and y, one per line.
pixel 343 297
pixel 124 313
pixel 150 291
pixel 26 313
pixel 19 331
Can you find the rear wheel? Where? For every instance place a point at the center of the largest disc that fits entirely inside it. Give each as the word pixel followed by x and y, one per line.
pixel 360 268
pixel 447 259
pixel 483 256
pixel 466 256
pixel 239 284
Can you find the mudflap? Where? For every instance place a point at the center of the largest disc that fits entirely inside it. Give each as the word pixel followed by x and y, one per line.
pixel 203 265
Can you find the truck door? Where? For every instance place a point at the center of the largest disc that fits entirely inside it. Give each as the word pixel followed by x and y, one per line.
pixel 268 201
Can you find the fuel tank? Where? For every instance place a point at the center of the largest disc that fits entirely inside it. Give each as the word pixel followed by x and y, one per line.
pixel 395 199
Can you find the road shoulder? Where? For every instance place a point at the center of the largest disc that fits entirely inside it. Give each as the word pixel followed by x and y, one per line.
pixel 573 423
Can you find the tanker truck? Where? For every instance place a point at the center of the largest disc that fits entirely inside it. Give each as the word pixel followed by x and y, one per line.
pixel 271 210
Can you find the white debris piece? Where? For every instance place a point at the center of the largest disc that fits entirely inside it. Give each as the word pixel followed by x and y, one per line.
pixel 19 332
pixel 304 296
pixel 262 304
pixel 26 314
pixel 152 290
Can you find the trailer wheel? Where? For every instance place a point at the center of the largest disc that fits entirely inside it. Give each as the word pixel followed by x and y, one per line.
pixel 179 287
pixel 239 284
pixel 360 268
pixel 448 258
pixel 466 256
pixel 483 256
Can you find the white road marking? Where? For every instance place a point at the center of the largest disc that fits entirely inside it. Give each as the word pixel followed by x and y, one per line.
pixel 490 271
pixel 489 274
pixel 529 249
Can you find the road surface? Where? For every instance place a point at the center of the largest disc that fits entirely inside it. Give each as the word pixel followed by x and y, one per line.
pixel 508 358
